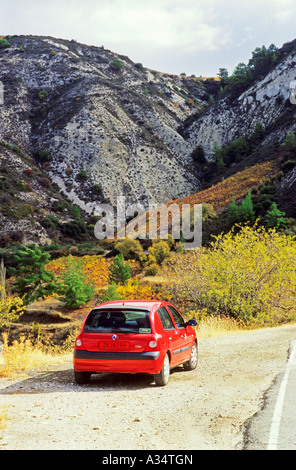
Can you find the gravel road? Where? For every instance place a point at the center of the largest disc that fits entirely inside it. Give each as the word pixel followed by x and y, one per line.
pixel 202 409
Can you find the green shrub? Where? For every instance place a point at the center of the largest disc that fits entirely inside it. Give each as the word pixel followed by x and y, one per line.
pixel 241 214
pixel 73 228
pixel 82 175
pixel 43 156
pixel 119 271
pixel 4 43
pixel 110 293
pixel 275 218
pixel 50 221
pixel 117 65
pixel 76 291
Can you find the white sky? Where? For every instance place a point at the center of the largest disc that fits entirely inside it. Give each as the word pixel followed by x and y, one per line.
pixel 192 36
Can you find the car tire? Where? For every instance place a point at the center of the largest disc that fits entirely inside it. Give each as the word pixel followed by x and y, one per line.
pixel 82 378
pixel 162 378
pixel 192 363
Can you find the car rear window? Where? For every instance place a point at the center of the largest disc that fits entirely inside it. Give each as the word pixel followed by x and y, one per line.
pixel 126 321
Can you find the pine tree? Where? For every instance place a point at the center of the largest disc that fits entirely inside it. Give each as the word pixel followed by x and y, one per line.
pixel 246 210
pixel 275 218
pixel 119 271
pixel 32 280
pixel 232 213
pixel 241 214
pixel 290 141
pixel 76 291
pixel 110 293
pixel 259 133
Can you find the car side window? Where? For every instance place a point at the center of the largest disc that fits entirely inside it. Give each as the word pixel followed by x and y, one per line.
pixel 176 316
pixel 165 319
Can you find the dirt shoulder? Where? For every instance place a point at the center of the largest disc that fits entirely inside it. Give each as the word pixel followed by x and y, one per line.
pixel 203 409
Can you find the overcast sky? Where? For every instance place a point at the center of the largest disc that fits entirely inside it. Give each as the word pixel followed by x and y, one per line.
pixel 192 36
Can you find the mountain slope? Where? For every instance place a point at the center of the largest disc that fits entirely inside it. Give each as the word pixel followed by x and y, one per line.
pixel 266 100
pixel 98 126
pixel 109 124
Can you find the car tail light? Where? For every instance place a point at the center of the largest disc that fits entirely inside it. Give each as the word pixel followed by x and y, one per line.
pixel 78 342
pixel 152 344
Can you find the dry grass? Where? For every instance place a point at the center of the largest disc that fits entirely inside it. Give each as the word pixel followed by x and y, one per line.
pixel 3 419
pixel 218 326
pixel 22 355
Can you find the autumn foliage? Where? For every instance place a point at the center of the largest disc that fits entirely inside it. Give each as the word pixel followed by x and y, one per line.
pixel 94 267
pixel 249 276
pixel 234 187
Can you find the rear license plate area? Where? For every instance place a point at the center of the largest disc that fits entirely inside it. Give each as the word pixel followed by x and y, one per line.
pixel 114 345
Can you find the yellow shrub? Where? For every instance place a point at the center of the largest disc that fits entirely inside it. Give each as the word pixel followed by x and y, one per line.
pixel 133 291
pixel 10 307
pixel 249 276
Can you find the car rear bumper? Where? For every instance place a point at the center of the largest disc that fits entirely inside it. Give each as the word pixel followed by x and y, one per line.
pixel 149 362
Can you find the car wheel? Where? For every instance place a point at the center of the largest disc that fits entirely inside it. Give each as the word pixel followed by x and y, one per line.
pixel 162 378
pixel 192 363
pixel 82 378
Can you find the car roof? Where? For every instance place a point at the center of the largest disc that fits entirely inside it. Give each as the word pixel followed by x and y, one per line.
pixel 144 304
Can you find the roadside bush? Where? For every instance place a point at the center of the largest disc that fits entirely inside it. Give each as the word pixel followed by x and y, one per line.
pixel 249 276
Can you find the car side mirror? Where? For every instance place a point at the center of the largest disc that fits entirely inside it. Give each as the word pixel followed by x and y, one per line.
pixel 192 322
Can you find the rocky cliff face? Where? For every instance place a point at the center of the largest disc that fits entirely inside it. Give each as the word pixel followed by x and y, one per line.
pixel 265 101
pixel 98 124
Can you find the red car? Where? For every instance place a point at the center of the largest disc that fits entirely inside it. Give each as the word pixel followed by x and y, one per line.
pixel 134 336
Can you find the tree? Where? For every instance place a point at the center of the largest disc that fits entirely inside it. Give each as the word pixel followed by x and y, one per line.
pixel 198 155
pixel 232 213
pixel 110 293
pixel 75 290
pixel 275 218
pixel 258 134
pixel 223 73
pixel 246 210
pixel 119 271
pixel 290 141
pixel 32 280
pixel 263 57
pixel 243 213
